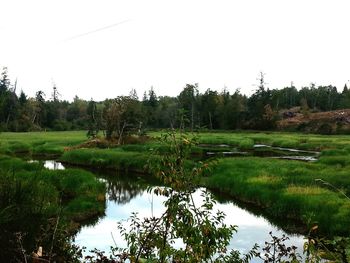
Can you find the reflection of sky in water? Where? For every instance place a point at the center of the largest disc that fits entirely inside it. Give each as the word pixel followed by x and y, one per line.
pixel 49 164
pixel 100 235
pixel 53 165
pixel 251 229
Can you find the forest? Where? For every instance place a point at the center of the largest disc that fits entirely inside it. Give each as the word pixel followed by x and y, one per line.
pixel 211 110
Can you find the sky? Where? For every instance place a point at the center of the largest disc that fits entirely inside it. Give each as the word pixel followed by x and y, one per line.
pixel 103 49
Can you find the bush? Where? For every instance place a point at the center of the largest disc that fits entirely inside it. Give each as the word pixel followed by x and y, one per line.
pixel 61 125
pixel 325 129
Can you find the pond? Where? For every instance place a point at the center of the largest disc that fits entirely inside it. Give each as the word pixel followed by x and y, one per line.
pixel 127 194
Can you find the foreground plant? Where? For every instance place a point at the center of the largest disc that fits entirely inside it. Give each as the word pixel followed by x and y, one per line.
pixel 200 233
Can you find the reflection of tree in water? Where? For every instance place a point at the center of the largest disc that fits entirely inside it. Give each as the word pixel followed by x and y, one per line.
pixel 122 191
pixel 290 226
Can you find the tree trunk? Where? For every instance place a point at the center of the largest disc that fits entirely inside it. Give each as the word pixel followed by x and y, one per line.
pixel 121 133
pixel 210 122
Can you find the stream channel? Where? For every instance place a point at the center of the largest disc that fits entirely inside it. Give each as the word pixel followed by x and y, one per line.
pixel 127 194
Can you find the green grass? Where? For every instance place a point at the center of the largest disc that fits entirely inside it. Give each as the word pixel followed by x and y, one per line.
pixel 281 139
pixel 115 158
pixel 33 199
pixel 307 192
pixel 289 189
pixel 48 188
pixel 282 188
pixel 39 142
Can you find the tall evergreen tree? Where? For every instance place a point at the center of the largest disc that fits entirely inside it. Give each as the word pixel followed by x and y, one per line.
pixel 93 128
pixel 4 82
pixel 39 117
pixel 188 100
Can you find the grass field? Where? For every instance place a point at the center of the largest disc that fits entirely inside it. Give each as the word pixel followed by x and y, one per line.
pixel 307 192
pixel 43 204
pixel 39 142
pixel 280 139
pixel 47 142
pixel 289 189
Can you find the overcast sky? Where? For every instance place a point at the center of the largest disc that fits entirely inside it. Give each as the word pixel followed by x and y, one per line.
pixel 99 49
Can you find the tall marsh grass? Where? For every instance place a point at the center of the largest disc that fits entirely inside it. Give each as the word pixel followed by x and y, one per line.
pixel 282 188
pixel 107 158
pixel 288 189
pixel 32 186
pixel 39 142
pixel 33 199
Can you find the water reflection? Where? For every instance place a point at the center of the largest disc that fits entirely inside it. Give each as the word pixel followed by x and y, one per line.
pixel 127 194
pixel 260 150
pixel 288 226
pixel 251 228
pixel 49 164
pixel 122 190
pixel 53 165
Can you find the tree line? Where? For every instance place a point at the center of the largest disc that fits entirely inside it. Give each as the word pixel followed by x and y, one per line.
pixel 189 110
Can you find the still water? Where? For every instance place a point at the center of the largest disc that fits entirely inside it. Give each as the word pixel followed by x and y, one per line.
pixel 127 194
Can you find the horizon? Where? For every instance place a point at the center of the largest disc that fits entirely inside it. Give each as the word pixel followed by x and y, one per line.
pixel 62 97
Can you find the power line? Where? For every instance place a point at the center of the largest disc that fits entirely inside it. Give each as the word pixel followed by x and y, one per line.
pixel 96 30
